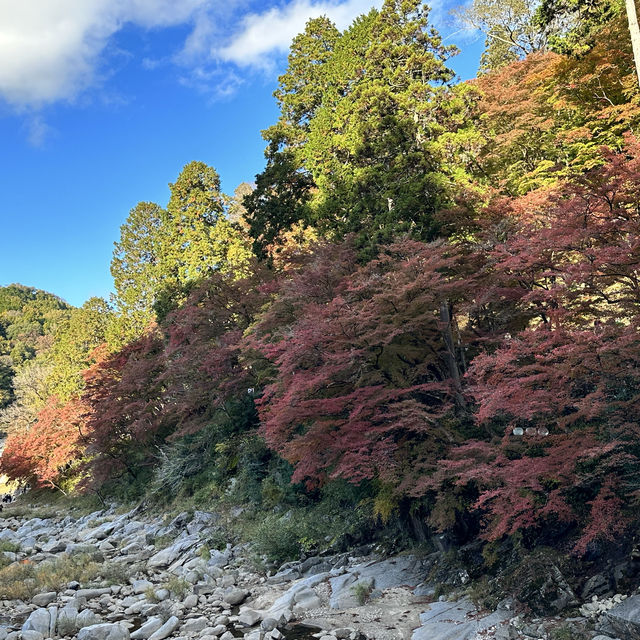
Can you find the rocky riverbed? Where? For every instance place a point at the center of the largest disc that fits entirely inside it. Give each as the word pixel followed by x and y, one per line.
pixel 141 578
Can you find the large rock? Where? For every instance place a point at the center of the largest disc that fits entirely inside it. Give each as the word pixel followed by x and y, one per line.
pixel 147 629
pixel 190 601
pixel 236 596
pixel 140 586
pixel 76 548
pixel 92 593
pixel 342 594
pixel 165 630
pixel 200 521
pixel 249 617
pixel 624 619
pixel 38 621
pixel 87 618
pixel 53 620
pixel 406 571
pixel 105 631
pixel 286 601
pixel 99 533
pixel 194 625
pixel 9 535
pixel 43 599
pixel 55 546
pixel 540 584
pixel 168 556
pixel 67 617
pixel 457 621
pixel 305 600
pixel 219 559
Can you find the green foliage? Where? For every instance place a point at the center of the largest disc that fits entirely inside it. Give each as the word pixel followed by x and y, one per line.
pixel 73 344
pixel 135 268
pixel 179 587
pixel 199 238
pixel 7 545
pixel 162 253
pixel 29 319
pixel 6 377
pixel 162 542
pixel 204 553
pixel 279 538
pixel 353 150
pixel 362 592
pixel 150 595
pixel 564 632
pixel 337 518
pixel 511 29
pixel 23 580
pixel 579 22
pixel 201 465
pixel 483 595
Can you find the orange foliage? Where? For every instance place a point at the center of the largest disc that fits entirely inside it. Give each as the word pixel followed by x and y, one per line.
pixel 42 453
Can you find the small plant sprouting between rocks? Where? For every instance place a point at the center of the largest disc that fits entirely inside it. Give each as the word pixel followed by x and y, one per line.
pixel 162 542
pixel 151 595
pixel 7 545
pixel 362 591
pixel 178 586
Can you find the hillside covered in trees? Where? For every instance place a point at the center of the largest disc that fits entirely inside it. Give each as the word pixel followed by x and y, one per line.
pixel 422 317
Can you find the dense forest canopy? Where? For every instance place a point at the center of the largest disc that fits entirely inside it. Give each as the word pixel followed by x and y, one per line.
pixel 426 304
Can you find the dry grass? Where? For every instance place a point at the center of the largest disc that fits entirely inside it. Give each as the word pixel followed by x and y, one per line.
pixel 179 587
pixel 22 580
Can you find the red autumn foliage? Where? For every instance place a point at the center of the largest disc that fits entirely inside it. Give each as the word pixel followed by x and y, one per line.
pixel 359 370
pixel 204 370
pixel 42 453
pixel 124 393
pixel 364 377
pixel 568 266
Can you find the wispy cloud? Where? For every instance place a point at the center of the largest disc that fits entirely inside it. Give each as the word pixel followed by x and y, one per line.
pixel 38 131
pixel 215 82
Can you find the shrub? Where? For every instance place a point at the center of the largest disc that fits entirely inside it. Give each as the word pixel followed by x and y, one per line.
pixel 179 587
pixel 277 538
pixel 362 591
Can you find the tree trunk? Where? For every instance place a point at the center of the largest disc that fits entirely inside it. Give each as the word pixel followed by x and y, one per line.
pixel 452 364
pixel 634 30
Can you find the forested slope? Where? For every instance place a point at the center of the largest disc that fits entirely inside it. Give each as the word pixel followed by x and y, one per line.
pixel 423 318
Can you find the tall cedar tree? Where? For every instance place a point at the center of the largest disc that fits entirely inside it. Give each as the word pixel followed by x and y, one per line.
pixel 136 268
pixel 353 150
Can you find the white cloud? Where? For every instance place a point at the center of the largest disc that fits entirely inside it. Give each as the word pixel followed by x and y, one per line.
pixel 53 50
pixel 263 36
pixel 49 49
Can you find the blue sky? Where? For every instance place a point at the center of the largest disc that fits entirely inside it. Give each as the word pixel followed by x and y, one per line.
pixel 102 102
